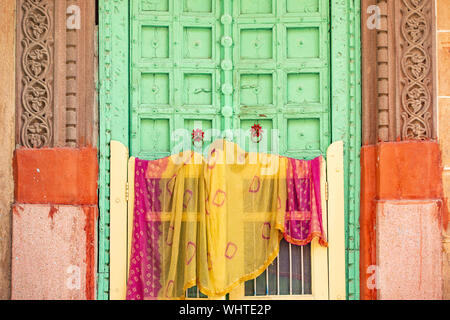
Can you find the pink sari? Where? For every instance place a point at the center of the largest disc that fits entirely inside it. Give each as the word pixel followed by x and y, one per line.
pixel 303 219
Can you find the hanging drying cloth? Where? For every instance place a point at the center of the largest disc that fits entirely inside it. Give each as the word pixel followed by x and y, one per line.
pixel 216 222
pixel 303 220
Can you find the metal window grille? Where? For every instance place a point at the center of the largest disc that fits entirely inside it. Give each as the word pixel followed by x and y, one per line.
pixel 288 274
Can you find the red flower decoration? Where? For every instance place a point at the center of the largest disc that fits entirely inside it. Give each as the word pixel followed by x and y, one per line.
pixel 256 133
pixel 256 130
pixel 198 135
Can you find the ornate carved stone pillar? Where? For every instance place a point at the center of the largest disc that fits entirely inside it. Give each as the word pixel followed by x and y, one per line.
pixel 35 53
pixel 55 73
pixel 399 120
pixel 416 116
pixel 403 65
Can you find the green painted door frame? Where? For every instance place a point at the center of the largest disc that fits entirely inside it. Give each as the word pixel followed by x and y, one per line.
pixel 115 93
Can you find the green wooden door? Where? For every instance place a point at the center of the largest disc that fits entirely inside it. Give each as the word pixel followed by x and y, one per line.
pixel 224 66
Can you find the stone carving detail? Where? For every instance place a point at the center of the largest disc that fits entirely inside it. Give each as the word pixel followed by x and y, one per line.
pixel 383 76
pixel 403 65
pixel 55 73
pixel 72 98
pixel 37 42
pixel 416 65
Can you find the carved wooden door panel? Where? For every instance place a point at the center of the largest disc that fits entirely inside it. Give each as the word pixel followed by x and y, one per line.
pixel 281 73
pixel 175 74
pixel 228 65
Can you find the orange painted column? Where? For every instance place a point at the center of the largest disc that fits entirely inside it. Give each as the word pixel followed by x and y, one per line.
pixel 367 222
pixel 54 251
pixel 409 220
pixel 400 180
pixel 56 175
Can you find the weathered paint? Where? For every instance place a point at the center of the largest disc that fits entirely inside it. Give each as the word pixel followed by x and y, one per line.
pixel 113 108
pixel 90 230
pixel 57 176
pixel 276 64
pixel 48 223
pixel 7 107
pixel 345 105
pixel 409 170
pixel 368 222
pixel 390 172
pixel 53 252
pixel 346 120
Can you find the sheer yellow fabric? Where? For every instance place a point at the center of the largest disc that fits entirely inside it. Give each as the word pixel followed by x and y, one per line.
pixel 225 223
pixel 215 222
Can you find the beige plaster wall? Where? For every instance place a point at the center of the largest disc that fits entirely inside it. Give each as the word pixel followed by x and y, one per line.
pixel 443 93
pixel 7 110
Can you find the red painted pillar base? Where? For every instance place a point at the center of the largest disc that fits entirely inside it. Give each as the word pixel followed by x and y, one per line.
pixel 393 172
pixel 367 223
pixel 55 216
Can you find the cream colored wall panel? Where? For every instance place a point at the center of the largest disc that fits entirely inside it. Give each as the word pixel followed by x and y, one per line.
pixel 336 221
pixel 118 221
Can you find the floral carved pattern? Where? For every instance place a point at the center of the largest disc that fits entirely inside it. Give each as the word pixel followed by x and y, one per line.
pixel 36 95
pixel 416 66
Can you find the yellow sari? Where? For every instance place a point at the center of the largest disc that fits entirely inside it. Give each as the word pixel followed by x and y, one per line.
pixel 213 222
